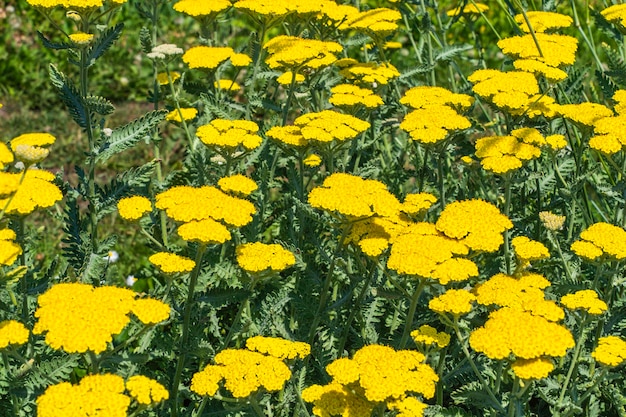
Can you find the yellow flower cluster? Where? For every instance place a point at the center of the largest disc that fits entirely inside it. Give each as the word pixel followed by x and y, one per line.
pixel 415 204
pixel 278 348
pixel 476 223
pixel 287 77
pixel 9 250
pixel 455 302
pixel 292 52
pixel 12 333
pixel 611 351
pixel 237 184
pixel 556 50
pixel 376 376
pixel 258 257
pixel 367 73
pixel 353 197
pixel 328 125
pixel 601 240
pixel 71 4
pixel 470 8
pixel 145 390
pixel 541 21
pixel 185 113
pixel 374 234
pixel 551 221
pixel 78 317
pixel 133 208
pixel 210 57
pixel 36 190
pixel 230 134
pixel 99 395
pixel 81 38
pixel 528 250
pixel 312 160
pixel 536 368
pixel 227 85
pixel 348 95
pixel 163 80
pixel 501 154
pixel 428 336
pixel 171 263
pixel 585 299
pixel 609 135
pixel 585 114
pixel 511 91
pixel 6 157
pixel 243 372
pixel 615 14
pixel 200 8
pixel 380 22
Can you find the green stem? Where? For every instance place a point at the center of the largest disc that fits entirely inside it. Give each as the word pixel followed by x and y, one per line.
pixel 574 364
pixel 245 304
pixel 507 210
pixel 292 88
pixel 408 325
pixel 193 279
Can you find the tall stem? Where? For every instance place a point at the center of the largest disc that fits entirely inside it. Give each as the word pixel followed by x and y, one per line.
pixel 408 325
pixel 507 210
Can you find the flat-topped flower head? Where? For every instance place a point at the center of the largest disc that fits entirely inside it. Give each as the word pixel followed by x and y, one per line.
pixel 354 197
pixel 373 235
pixel 584 300
pixel 184 113
pixel 292 52
pixel 551 221
pixel 348 95
pixel 536 368
pixel 556 50
pixel 134 208
pixel 33 139
pixel 601 240
pixel 36 190
pixel 201 8
pixel 428 335
pixel 369 73
pixel 584 114
pixel 510 91
pixel 335 399
pixel 528 250
pixel 12 332
pixel 510 331
pixel 433 124
pixel 81 38
pixel 288 77
pixel 476 223
pixel 150 311
pixel 259 257
pixel 611 351
pixel 171 263
pixel 278 347
pixel 163 80
pixel 146 390
pixel 539 68
pixel 227 85
pixel 207 231
pixel 210 57
pixel 501 154
pixel 79 318
pixel 415 204
pixel 469 9
pixel 541 21
pixel 230 134
pixel 288 135
pixel 426 96
pixel 610 134
pixel 312 160
pixel 238 185
pixel 82 5
pixel 94 395
pixel 379 22
pixel 455 302
pixel 185 203
pixel 329 125
pixel 615 14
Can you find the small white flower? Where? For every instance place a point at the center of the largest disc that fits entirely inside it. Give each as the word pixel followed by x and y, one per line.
pixel 112 257
pixel 130 280
pixel 107 132
pixel 19 165
pixel 156 55
pixel 167 49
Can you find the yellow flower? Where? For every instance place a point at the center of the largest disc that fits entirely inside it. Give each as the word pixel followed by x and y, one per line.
pixel 145 390
pixel 610 137
pixel 535 67
pixel 9 250
pixel 586 114
pixel 425 96
pixel 133 208
pixel 368 73
pixel 171 263
pixel 551 221
pixel 33 139
pixel 150 311
pixel 536 368
pixel 407 407
pixel 289 135
pixel 199 8
pixel 210 57
pixel 312 160
pixel 476 223
pixel 502 154
pixel 30 155
pixel 227 85
pixel 433 123
pixel 237 184
pixel 615 14
pixel 206 231
pixel 287 77
pixel 611 351
pixel 184 114
pixel 335 399
pixel 278 348
pixel 35 191
pixel 511 91
pixel 415 204
pixel 585 299
pixel 543 21
pixel 94 395
pixel 601 239
pixel 230 134
pixel 529 250
pixel 206 382
pixel 6 156
pixel 456 302
pixel 80 38
pixel 380 22
pixel 162 77
pixel 348 95
pixel 556 50
pixel 428 335
pixel 12 333
pixel 470 8
pixel 258 257
pixel 291 52
pixel 328 125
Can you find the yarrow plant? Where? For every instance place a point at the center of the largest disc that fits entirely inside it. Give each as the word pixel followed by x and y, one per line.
pixel 359 208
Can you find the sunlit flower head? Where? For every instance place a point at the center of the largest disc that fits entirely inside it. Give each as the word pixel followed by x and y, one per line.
pixel 586 300
pixel 171 263
pixel 541 21
pixel 200 8
pixel 210 57
pixel 12 333
pixel 258 257
pixel 292 52
pixel 611 351
pixel 230 134
pixel 134 208
pixel 146 390
pixel 601 240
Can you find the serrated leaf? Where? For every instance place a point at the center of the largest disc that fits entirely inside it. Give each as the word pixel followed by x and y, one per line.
pixel 130 182
pixel 52 45
pixel 104 42
pixel 220 298
pixel 99 105
pixel 145 37
pixel 94 269
pixel 449 52
pixel 70 96
pixel 128 135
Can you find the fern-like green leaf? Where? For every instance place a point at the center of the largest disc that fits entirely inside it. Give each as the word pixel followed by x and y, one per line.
pixel 146 40
pixel 104 42
pixel 52 45
pixel 99 105
pixel 70 96
pixel 128 135
pixel 130 182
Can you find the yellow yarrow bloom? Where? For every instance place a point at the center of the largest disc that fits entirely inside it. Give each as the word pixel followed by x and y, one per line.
pixel 171 263
pixel 237 184
pixel 433 124
pixel 94 395
pixel 33 139
pixel 428 336
pixel 380 22
pixel 258 257
pixel 551 221
pixel 150 311
pixel 328 125
pixel 35 191
pixel 529 250
pixel 288 135
pixel 501 154
pixel 81 38
pixel 535 67
pixel 227 85
pixel 278 347
pixel 145 390
pixel 556 50
pixel 611 351
pixel 610 137
pixel 206 231
pixel 455 302
pixel 425 96
pixel 210 57
pixel 510 91
pixel 585 299
pixel 184 114
pixel 373 235
pixel 368 73
pixel 287 77
pixel 541 21
pixel 415 204
pixel 470 8
pixel 536 368
pixel 12 333
pixel 134 208
pixel 71 4
pixel 6 156
pixel 200 8
pixel 163 80
pixel 348 95
pixel 601 239
pixel 9 250
pixel 336 399
pixel 312 160
pixel 290 52
pixel 615 14
pixel 476 223
pixel 585 114
pixel 230 134
pixel 30 155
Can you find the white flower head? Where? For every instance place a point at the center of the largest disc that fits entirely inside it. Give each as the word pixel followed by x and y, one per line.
pixel 156 55
pixel 167 49
pixel 112 257
pixel 130 280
